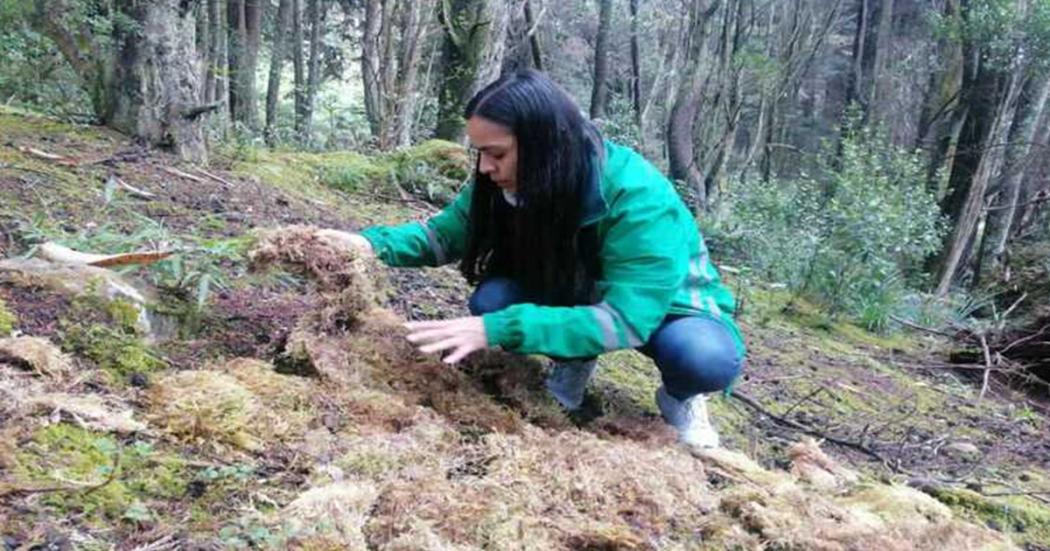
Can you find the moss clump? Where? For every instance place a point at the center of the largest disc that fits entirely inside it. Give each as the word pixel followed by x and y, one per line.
pixel 68 456
pixel 1020 517
pixel 107 333
pixel 7 320
pixel 205 407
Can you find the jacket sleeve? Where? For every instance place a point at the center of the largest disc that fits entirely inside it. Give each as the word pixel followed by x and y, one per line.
pixel 438 241
pixel 644 262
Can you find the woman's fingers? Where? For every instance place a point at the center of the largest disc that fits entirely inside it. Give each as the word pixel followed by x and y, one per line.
pixel 460 353
pixel 438 346
pixel 429 335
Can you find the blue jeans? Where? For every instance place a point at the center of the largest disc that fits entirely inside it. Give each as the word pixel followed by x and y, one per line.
pixel 694 354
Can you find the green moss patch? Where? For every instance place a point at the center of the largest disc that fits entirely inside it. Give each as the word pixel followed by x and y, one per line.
pixel 1020 517
pixel 106 333
pixel 7 320
pixel 65 456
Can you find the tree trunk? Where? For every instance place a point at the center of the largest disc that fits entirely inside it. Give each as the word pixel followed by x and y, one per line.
pixel 636 69
pixel 143 80
pixel 599 91
pixel 682 121
pixel 370 66
pixel 157 83
pixel 532 31
pixel 978 163
pixel 277 56
pixel 471 51
pixel 416 20
pixel 217 37
pixel 1002 213
pixel 245 19
pixel 317 10
pixel 299 65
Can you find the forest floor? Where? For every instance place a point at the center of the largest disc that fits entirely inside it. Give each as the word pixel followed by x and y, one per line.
pixel 240 408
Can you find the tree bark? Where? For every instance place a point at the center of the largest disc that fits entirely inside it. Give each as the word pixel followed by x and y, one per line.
pixel 143 80
pixel 636 69
pixel 682 121
pixel 277 57
pixel 599 91
pixel 471 53
pixel 316 12
pixel 370 50
pixel 299 67
pixel 244 20
pixel 217 37
pixel 1002 213
pixel 979 160
pixel 532 31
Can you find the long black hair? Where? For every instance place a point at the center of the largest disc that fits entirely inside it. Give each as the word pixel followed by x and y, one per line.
pixel 539 242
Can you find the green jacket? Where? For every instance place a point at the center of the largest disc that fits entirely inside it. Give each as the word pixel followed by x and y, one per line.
pixel 654 263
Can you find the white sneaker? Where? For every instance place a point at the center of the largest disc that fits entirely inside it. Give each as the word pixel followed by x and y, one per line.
pixel 568 381
pixel 689 418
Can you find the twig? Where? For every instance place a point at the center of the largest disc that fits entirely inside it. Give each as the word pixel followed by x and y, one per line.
pixel 988 367
pixel 916 326
pixel 181 174
pixel 42 154
pixel 804 399
pixel 222 181
pixel 141 194
pixel 73 487
pixel 813 432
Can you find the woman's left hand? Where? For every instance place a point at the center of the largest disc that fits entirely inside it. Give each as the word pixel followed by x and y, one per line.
pixel 461 335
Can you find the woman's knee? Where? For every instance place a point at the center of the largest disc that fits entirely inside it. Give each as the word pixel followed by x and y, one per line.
pixel 493 295
pixel 696 355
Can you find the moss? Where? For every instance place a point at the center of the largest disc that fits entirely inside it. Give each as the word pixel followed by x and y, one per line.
pixel 1019 516
pixel 631 375
pixel 106 332
pixel 64 455
pixel 7 320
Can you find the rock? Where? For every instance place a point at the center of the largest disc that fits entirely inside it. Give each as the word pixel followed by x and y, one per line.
pixel 963 450
pixel 75 280
pixel 91 411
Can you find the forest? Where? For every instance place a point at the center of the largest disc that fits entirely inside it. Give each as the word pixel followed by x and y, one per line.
pixel 184 364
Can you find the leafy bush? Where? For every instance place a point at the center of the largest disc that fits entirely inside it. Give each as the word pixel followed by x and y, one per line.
pixel 853 236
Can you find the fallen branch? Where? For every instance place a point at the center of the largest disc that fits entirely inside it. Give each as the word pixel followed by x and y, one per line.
pixel 42 154
pixel 222 181
pixel 918 327
pixel 181 174
pixel 134 191
pixel 988 367
pixel 57 253
pixel 750 402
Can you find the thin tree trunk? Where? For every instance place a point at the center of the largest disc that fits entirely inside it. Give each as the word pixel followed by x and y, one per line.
pixel 277 57
pixel 534 37
pixel 299 66
pixel 1002 213
pixel 370 49
pixel 599 91
pixel 216 30
pixel 682 121
pixel 316 9
pixel 636 69
pixel 414 29
pixel 967 215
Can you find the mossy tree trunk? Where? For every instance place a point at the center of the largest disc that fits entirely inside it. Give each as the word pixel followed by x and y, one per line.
pixel 143 79
pixel 472 47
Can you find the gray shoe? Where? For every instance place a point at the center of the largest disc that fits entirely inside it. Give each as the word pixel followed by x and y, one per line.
pixel 568 381
pixel 689 418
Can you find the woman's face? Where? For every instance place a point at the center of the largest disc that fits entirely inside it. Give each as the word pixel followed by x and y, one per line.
pixel 497 149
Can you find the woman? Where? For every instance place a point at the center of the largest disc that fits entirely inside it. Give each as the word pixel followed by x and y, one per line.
pixel 577 247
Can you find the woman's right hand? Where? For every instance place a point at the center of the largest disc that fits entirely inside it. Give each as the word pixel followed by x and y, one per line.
pixel 353 241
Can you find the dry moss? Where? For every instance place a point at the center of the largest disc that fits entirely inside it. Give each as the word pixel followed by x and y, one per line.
pixel 204 407
pixel 36 354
